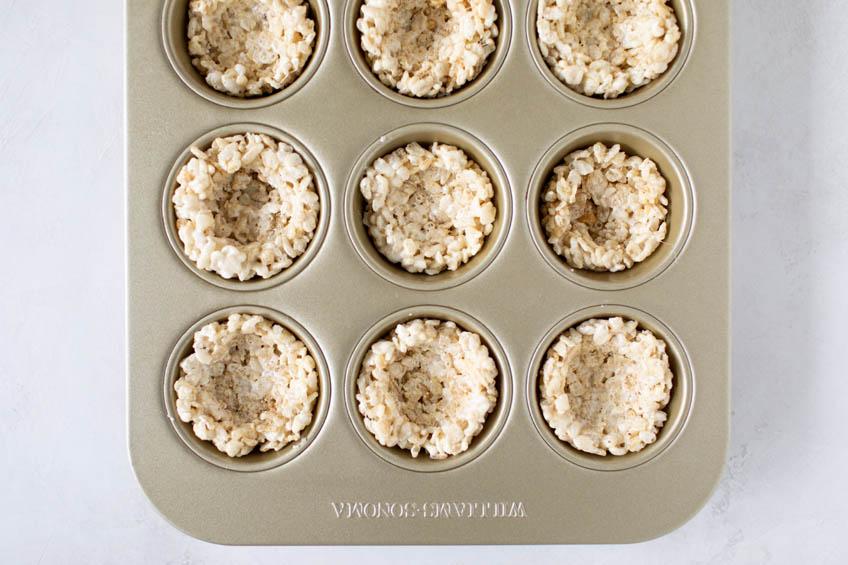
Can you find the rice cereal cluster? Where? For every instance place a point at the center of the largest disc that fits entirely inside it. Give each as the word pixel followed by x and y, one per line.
pixel 603 210
pixel 248 382
pixel 246 207
pixel 428 385
pixel 249 47
pixel 604 385
pixel 428 210
pixel 427 48
pixel 607 47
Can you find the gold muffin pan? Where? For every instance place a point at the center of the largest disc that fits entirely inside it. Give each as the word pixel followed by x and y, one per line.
pixel 517 483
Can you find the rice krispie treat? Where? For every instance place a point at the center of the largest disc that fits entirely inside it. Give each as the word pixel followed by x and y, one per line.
pixel 248 382
pixel 603 210
pixel 429 385
pixel 604 385
pixel 246 207
pixel 607 47
pixel 427 48
pixel 249 47
pixel 428 210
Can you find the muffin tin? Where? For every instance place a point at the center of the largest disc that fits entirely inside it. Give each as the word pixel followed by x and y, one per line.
pixel 517 483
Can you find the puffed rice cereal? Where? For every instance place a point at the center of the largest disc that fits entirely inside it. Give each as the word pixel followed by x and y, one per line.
pixel 248 382
pixel 604 385
pixel 428 385
pixel 607 47
pixel 428 210
pixel 603 210
pixel 427 48
pixel 249 47
pixel 246 207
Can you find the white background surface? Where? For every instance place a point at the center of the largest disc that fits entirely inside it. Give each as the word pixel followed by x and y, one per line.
pixel 68 494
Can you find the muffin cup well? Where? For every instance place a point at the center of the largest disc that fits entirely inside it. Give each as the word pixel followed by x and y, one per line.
pixel 494 422
pixel 255 460
pixel 170 219
pixel 175 42
pixel 686 19
pixel 679 192
pixel 491 68
pixel 682 392
pixel 427 133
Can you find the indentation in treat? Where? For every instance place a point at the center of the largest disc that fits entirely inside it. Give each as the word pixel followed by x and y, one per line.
pixel 604 386
pixel 607 47
pixel 248 382
pixel 428 385
pixel 249 47
pixel 428 210
pixel 603 210
pixel 246 207
pixel 427 48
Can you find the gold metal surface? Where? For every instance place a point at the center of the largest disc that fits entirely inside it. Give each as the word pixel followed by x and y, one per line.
pixel 516 485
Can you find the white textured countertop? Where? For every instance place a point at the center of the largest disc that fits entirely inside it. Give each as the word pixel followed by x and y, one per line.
pixel 69 495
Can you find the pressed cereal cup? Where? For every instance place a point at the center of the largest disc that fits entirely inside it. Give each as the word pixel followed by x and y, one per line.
pixel 686 20
pixel 494 422
pixel 680 402
pixel 255 460
pixel 256 283
pixel 424 134
pixel 175 42
pixel 679 192
pixel 466 91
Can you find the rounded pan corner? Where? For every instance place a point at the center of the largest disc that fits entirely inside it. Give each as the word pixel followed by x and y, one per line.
pixel 700 503
pixel 147 490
